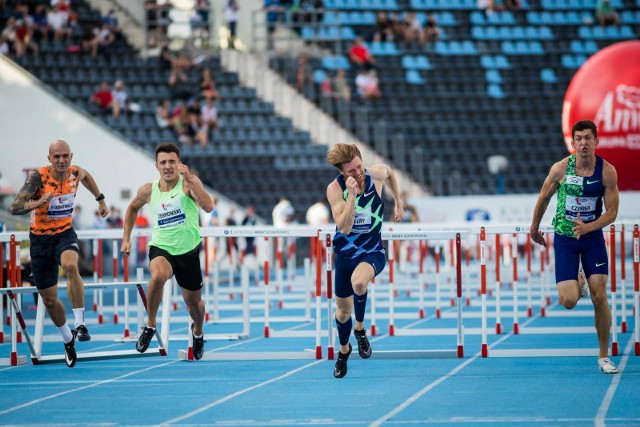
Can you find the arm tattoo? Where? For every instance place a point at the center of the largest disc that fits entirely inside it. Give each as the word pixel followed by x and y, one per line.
pixel 30 188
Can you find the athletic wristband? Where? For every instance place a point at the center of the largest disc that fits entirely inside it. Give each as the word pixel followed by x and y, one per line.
pixel 100 197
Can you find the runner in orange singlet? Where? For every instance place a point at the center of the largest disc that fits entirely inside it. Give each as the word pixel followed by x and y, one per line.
pixel 49 193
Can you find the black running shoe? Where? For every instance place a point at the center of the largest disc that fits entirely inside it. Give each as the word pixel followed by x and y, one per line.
pixel 198 345
pixel 145 339
pixel 364 348
pixel 70 355
pixel 83 333
pixel 340 368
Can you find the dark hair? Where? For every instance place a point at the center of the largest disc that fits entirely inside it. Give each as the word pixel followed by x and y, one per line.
pixel 584 125
pixel 167 147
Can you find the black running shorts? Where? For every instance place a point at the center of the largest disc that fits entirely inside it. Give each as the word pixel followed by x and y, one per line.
pixel 186 267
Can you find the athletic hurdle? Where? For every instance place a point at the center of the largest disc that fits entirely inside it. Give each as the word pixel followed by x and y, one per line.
pixel 35 345
pixel 266 233
pixel 392 236
pixel 554 330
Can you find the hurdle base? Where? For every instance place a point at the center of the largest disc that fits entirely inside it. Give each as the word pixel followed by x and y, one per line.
pixel 414 354
pixel 101 355
pixel 19 360
pixel 546 352
pixel 271 355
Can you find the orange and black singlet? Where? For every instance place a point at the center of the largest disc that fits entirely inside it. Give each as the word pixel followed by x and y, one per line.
pixel 55 217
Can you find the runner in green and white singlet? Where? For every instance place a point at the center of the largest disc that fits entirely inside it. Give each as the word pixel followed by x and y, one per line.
pixel 584 183
pixel 174 200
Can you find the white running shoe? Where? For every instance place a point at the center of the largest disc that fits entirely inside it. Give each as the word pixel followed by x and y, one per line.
pixel 607 366
pixel 582 282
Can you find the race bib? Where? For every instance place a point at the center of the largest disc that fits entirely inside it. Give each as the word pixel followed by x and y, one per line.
pixel 170 213
pixel 585 206
pixel 61 207
pixel 362 222
pixel 573 180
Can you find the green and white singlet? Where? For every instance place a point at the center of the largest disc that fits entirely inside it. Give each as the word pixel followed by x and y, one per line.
pixel 177 226
pixel 578 195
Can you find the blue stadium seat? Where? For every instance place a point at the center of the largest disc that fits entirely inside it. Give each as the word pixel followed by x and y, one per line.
pixel 422 63
pixel 408 62
pixel 495 91
pixel 493 76
pixel 548 76
pixel 319 76
pixel 413 77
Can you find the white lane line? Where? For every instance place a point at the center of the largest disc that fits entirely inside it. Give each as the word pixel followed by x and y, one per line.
pixel 53 396
pixel 239 393
pixel 437 382
pixel 611 391
pixel 98 383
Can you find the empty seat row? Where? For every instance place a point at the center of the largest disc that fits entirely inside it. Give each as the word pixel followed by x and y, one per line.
pixel 512 33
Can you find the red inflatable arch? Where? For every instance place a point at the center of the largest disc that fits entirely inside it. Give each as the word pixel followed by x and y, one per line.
pixel 606 89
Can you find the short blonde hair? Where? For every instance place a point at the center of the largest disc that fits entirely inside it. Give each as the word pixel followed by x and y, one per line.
pixel 342 153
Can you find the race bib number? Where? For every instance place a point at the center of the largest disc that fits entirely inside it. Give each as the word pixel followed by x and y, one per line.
pixel 585 206
pixel 362 222
pixel 170 213
pixel 61 207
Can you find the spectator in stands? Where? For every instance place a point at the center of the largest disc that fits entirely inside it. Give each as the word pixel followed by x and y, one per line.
pixel 274 10
pixel 179 67
pixel 326 87
pixel 111 21
pixel 58 20
pixel 368 85
pixel 101 39
pixel 413 31
pixel 121 100
pixel 39 25
pixel 432 31
pixel 163 113
pixel 383 28
pixel 103 97
pixel 303 74
pixel 9 35
pixel 341 87
pixel 165 59
pixel 208 85
pixel 606 14
pixel 231 16
pixel 23 39
pixel 360 55
pixel 209 114
pixel 5 46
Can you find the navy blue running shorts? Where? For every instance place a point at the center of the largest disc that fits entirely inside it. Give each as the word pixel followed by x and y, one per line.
pixel 589 249
pixel 46 251
pixel 186 267
pixel 344 268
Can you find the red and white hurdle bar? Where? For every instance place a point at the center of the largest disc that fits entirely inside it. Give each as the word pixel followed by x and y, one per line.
pixel 35 345
pixel 14 268
pixel 265 233
pixel 545 330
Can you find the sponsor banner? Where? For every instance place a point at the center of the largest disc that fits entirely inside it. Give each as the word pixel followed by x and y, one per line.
pixel 504 209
